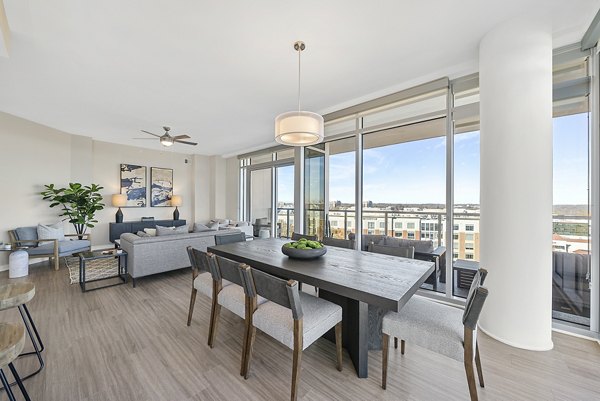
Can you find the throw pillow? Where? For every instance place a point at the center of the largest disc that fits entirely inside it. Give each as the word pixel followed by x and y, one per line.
pixel 142 234
pixel 213 226
pixel 199 228
pixel 160 230
pixel 150 231
pixel 52 231
pixel 181 229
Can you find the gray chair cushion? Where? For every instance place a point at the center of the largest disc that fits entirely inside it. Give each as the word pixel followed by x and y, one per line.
pixel 430 325
pixel 319 316
pixel 65 248
pixel 25 233
pixel 232 297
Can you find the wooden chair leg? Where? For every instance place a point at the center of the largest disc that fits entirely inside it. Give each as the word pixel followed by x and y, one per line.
pixel 402 347
pixel 478 365
pixel 396 342
pixel 384 360
pixel 471 379
pixel 338 345
pixel 250 346
pixel 468 357
pixel 214 323
pixel 56 262
pixel 192 302
pixel 297 361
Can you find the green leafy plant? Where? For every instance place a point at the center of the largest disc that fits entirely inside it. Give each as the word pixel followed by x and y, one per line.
pixel 79 203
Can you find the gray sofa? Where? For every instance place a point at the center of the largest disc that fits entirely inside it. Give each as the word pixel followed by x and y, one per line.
pixel 151 255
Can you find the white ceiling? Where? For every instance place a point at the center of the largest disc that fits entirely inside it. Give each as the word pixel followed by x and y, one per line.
pixel 221 71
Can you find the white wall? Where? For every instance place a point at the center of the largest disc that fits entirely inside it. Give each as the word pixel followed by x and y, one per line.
pixel 32 155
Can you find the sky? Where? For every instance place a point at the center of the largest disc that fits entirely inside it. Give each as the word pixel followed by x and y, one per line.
pixel 414 172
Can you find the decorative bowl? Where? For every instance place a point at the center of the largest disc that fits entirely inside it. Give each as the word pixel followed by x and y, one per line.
pixel 303 253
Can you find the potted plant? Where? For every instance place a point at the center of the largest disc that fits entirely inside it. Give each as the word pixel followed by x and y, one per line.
pixel 79 203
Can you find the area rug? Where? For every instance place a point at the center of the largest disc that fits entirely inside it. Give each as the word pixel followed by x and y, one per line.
pixel 94 269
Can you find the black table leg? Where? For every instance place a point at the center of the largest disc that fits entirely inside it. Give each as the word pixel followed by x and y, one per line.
pixel 355 330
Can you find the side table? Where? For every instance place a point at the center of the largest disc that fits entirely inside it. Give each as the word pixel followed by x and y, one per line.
pixel 85 257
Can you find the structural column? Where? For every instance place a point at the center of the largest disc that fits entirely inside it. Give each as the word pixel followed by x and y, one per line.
pixel 515 61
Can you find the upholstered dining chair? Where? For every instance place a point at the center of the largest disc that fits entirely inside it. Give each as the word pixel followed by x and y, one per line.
pixel 297 236
pixel 230 238
pixel 440 328
pixel 339 243
pixel 402 251
pixel 227 292
pixel 294 318
pixel 201 276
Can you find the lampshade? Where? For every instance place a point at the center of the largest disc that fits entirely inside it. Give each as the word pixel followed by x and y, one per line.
pixel 176 200
pixel 119 200
pixel 299 128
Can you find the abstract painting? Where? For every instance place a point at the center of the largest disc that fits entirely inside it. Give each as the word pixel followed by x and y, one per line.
pixel 133 184
pixel 161 186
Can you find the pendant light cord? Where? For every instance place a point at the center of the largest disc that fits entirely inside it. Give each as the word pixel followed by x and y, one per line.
pixel 299 77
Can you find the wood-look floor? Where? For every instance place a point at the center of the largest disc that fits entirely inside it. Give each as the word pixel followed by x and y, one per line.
pixel 125 343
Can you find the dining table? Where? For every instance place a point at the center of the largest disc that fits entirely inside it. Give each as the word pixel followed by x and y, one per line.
pixel 358 281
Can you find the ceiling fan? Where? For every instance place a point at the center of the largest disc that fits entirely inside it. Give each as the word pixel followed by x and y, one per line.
pixel 168 140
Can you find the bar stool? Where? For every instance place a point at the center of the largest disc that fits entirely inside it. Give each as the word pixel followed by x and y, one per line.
pixel 12 341
pixel 16 295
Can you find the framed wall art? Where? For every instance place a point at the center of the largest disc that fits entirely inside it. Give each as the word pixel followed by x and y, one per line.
pixel 134 184
pixel 161 186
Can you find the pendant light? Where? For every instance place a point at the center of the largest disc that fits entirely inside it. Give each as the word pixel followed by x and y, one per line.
pixel 299 128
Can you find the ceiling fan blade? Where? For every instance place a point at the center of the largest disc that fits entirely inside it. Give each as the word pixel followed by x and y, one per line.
pixel 182 137
pixel 186 142
pixel 158 136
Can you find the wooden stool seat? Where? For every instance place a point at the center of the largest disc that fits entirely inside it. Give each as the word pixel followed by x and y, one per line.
pixel 16 294
pixel 12 341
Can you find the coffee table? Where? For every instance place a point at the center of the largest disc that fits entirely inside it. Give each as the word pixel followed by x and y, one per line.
pixel 85 257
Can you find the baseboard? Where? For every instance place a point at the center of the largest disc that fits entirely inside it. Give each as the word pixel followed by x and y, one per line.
pixel 3 268
pixel 546 347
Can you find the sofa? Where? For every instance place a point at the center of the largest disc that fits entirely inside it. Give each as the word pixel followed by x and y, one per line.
pixel 157 254
pixel 424 250
pixel 228 224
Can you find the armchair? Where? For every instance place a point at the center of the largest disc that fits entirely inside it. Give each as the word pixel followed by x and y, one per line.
pixel 27 239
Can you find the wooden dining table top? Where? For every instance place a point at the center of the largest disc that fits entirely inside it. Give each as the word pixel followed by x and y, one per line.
pixel 376 279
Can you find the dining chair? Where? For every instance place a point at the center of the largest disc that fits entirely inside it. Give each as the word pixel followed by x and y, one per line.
pixel 440 328
pixel 401 251
pixel 201 276
pixel 339 243
pixel 231 296
pixel 230 238
pixel 297 236
pixel 294 318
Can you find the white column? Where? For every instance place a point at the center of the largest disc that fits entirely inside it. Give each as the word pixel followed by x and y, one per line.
pixel 515 61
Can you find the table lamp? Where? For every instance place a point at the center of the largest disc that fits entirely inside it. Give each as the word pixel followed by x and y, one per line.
pixel 176 201
pixel 119 200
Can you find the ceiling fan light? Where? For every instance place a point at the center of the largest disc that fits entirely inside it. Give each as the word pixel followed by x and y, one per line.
pixel 166 141
pixel 299 128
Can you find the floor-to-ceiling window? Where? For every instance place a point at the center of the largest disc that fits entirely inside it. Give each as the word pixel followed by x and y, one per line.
pixel 571 215
pixel 342 180
pixel 285 200
pixel 404 184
